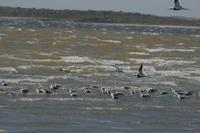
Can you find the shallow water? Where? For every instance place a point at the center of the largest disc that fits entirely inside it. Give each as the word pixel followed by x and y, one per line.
pixel 33 51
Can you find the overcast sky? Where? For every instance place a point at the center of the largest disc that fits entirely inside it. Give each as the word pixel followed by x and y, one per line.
pixel 156 7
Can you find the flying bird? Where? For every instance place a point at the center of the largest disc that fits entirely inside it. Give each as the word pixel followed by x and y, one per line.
pixel 177 6
pixel 117 69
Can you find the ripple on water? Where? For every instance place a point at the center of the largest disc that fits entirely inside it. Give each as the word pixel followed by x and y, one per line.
pixel 81 99
pixel 138 53
pixel 78 59
pixel 103 108
pixel 161 62
pixel 169 50
pixel 8 69
pixel 12 57
pixel 109 41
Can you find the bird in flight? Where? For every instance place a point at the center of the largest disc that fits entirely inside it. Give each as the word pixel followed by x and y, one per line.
pixel 177 6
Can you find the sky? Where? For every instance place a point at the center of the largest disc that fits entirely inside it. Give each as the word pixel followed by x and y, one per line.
pixel 154 7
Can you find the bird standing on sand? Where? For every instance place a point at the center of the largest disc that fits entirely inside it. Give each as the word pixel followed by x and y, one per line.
pixel 177 6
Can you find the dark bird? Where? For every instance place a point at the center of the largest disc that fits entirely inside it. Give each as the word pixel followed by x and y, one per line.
pixel 177 6
pixel 64 70
pixel 140 73
pixel 117 69
pixel 13 94
pixel 54 87
pixel 24 91
pixel 4 83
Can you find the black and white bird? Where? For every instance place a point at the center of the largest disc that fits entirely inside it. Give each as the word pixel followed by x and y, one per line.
pixel 177 6
pixel 4 83
pixel 54 87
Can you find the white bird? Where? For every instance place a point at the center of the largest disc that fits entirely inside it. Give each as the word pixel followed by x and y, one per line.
pixel 177 6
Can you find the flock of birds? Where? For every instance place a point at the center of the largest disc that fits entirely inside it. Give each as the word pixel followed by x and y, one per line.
pixel 113 93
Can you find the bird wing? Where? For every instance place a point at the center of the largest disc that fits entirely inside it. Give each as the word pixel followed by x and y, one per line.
pixel 140 69
pixel 117 68
pixel 177 4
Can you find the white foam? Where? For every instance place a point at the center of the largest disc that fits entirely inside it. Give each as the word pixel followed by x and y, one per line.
pixel 31 30
pixel 68 31
pixel 69 37
pixel 11 28
pixel 47 54
pixel 76 59
pixel 27 79
pixel 8 69
pixel 80 99
pixel 25 99
pixel 19 29
pixel 163 83
pixel 196 78
pixel 138 53
pixel 198 36
pixel 151 33
pixel 162 62
pixel 109 41
pixel 103 108
pixel 90 37
pixel 28 67
pixel 169 50
pixel 129 37
pixel 28 60
pixel 30 42
pixel 3 34
pixel 110 62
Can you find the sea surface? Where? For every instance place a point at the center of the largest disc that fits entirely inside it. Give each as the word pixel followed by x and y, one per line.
pixel 32 52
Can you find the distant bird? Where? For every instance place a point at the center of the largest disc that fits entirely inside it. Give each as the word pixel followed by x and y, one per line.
pixel 48 92
pixel 141 73
pixel 127 87
pixel 4 83
pixel 40 90
pixel 163 92
pixel 64 70
pixel 103 90
pixel 132 92
pixel 142 94
pixel 54 87
pixel 177 6
pixel 24 91
pixel 72 93
pixel 117 69
pixel 114 95
pixel 13 94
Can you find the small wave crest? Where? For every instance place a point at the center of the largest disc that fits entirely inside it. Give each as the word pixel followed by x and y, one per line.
pixel 109 41
pixel 169 50
pixel 8 69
